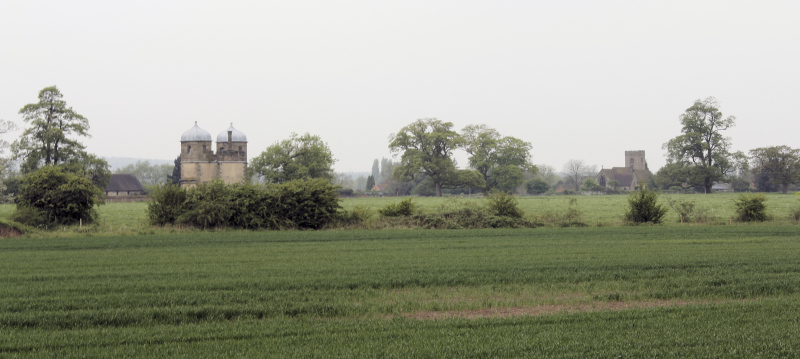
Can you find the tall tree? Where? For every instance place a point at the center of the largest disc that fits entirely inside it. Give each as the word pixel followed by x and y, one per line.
pixel 577 171
pixel 175 177
pixel 370 183
pixel 90 166
pixel 702 145
pixel 299 157
pixel 376 171
pixel 50 138
pixel 500 160
pixel 780 164
pixel 427 148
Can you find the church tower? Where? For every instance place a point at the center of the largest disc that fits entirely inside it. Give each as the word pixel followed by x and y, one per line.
pixel 634 160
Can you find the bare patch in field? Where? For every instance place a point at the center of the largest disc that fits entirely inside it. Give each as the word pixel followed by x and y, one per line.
pixel 553 309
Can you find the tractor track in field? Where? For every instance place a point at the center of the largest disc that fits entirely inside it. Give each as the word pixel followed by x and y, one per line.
pixel 550 309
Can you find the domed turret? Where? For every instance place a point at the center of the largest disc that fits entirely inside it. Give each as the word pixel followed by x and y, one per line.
pixel 196 134
pixel 236 135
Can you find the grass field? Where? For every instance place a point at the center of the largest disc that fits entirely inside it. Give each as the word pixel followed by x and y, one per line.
pixel 652 291
pixel 605 210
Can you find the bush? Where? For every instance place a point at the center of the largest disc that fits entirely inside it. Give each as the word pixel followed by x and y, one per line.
pixel 359 215
pixel 590 185
pixel 405 208
pixel 208 205
pixel 537 186
pixel 166 204
pixel 308 204
pixel 751 207
pixel 687 212
pixel 53 196
pixel 644 207
pixel 503 204
pixel 294 204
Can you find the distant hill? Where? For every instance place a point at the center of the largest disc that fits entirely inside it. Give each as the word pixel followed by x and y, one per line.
pixel 119 162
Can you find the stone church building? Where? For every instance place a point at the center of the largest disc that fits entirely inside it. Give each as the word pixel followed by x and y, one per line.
pixel 628 177
pixel 200 163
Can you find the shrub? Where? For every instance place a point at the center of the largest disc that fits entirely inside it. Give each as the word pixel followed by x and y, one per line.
pixel 537 186
pixel 794 214
pixel 590 185
pixel 308 204
pixel 359 215
pixel 294 204
pixel 53 196
pixel 644 207
pixel 208 205
pixel 404 208
pixel 687 211
pixel 751 207
pixel 503 204
pixel 166 204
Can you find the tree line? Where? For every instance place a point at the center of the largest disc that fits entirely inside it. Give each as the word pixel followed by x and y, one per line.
pixel 51 157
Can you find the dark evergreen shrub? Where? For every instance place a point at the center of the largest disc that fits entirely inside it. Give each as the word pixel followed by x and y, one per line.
pixel 644 207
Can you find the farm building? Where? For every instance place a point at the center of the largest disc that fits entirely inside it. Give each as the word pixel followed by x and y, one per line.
pixel 627 178
pixel 124 184
pixel 199 162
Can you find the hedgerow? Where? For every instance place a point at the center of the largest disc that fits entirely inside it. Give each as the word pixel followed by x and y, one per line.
pixel 302 204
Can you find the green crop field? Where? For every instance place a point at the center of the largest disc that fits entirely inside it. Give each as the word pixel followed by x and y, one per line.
pixel 649 291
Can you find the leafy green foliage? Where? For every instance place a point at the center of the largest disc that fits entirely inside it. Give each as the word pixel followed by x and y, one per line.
pixel 405 207
pixel 469 179
pixel 687 211
pixel 537 186
pixel 701 146
pixel 427 147
pixel 208 205
pixel 503 204
pixel 780 165
pixel 370 183
pixel 166 204
pixel 499 160
pixel 643 207
pixel 751 207
pixel 308 204
pixel 51 195
pixel 47 141
pixel 590 184
pixel 304 204
pixel 299 157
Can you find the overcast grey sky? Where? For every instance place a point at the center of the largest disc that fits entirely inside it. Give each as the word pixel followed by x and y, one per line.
pixel 578 79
